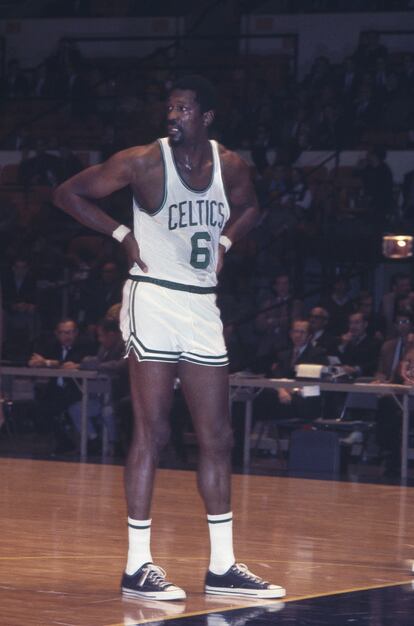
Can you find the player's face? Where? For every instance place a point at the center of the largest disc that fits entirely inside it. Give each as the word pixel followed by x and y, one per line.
pixel 184 117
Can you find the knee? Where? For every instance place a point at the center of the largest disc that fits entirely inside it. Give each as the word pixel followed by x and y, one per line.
pixel 151 439
pixel 217 442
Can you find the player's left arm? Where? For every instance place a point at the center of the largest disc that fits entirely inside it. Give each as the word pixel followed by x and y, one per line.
pixel 244 208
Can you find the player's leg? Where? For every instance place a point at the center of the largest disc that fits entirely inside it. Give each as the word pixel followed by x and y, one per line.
pixel 206 390
pixel 152 389
pixel 152 386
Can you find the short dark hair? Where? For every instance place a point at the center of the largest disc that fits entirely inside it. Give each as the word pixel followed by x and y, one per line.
pixel 67 320
pixel 204 90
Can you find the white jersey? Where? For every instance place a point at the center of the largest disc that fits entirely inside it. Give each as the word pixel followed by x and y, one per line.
pixel 179 242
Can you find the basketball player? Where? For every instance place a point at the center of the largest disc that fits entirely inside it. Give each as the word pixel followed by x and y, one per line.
pixel 186 190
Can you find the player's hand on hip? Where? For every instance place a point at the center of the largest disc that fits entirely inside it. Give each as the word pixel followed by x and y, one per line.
pixel 132 249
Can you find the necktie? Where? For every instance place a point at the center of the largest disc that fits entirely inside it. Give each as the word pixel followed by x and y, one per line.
pixel 60 382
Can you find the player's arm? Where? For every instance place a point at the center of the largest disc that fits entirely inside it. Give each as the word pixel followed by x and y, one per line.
pixel 78 194
pixel 244 206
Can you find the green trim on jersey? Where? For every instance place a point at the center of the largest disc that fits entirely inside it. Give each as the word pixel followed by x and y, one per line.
pixel 159 355
pixel 183 181
pixel 144 347
pixel 151 213
pixel 171 285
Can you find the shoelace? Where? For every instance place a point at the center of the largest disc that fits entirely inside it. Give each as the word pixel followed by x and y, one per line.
pixel 155 575
pixel 244 571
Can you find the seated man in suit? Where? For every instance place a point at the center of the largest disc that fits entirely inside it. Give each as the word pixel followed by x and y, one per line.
pixel 65 350
pixel 358 351
pixel 109 360
pixel 389 416
pixel 320 336
pixel 284 402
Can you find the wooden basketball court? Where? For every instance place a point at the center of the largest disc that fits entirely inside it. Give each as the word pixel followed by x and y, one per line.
pixel 63 540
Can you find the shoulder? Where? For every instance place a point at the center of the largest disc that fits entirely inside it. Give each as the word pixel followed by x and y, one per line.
pixel 232 164
pixel 138 159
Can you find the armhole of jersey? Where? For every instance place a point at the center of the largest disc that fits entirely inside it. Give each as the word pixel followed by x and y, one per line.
pixel 219 171
pixel 164 164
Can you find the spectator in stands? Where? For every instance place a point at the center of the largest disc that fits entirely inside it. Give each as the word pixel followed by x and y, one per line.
pixel 377 180
pixel 43 85
pixel 396 109
pixel 295 132
pixel 41 169
pixel 298 196
pixel 320 75
pixel 400 286
pixel 66 350
pixel 380 77
pixel 392 369
pixel 369 50
pixel 284 402
pixel 320 337
pixel 358 352
pixel 20 304
pixel 15 83
pixel 109 360
pixel 103 292
pixel 79 91
pixel 362 114
pixel 68 164
pixel 272 324
pixel 392 350
pixel 339 305
pixel 67 54
pixel 348 79
pixel 376 322
pixel 326 128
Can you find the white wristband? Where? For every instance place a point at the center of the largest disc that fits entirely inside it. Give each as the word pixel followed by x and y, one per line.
pixel 121 232
pixel 225 242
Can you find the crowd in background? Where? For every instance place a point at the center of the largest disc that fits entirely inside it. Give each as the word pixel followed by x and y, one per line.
pixel 54 271
pixel 262 105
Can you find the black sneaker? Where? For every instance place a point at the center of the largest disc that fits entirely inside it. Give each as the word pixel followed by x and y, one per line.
pixel 149 582
pixel 239 581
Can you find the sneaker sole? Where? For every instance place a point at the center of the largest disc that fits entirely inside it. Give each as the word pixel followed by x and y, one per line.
pixel 177 594
pixel 248 593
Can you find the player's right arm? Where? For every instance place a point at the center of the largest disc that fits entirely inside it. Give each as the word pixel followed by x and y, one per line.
pixel 78 194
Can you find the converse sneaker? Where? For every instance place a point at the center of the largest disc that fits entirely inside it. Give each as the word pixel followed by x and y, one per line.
pixel 149 582
pixel 239 581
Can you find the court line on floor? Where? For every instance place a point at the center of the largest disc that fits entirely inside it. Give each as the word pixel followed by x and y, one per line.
pixel 75 557
pixel 282 600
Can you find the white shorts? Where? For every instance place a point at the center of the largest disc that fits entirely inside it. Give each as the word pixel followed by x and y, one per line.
pixel 170 324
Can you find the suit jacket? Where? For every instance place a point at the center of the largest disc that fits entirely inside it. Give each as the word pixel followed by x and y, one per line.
pixel 53 351
pixel 111 362
pixel 13 295
pixel 363 355
pixel 326 342
pixel 286 366
pixel 387 311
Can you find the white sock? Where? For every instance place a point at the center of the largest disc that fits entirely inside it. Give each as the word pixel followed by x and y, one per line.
pixel 139 551
pixel 221 541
